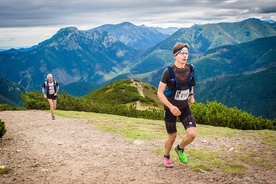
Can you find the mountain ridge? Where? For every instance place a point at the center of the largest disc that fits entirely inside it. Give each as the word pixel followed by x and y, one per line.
pixel 96 58
pixel 137 37
pixel 10 92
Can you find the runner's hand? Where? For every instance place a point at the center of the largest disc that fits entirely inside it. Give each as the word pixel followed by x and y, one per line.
pixel 175 111
pixel 191 99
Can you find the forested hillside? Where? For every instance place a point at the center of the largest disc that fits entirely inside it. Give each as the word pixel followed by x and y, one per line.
pixel 240 75
pixel 10 93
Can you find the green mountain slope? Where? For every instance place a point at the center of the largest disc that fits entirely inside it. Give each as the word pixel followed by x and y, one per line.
pixel 236 59
pixel 240 75
pixel 70 55
pixel 4 100
pixel 252 92
pixel 201 39
pixel 79 88
pixel 10 93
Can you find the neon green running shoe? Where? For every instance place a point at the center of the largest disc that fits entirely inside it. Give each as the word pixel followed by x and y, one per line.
pixel 181 155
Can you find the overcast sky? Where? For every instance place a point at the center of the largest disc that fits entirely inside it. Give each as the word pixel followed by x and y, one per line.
pixel 25 23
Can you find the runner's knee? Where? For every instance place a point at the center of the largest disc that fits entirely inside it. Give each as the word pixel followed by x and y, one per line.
pixel 191 135
pixel 172 137
pixel 51 105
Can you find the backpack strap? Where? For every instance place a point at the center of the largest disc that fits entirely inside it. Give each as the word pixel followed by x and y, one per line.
pixel 192 77
pixel 47 85
pixel 172 84
pixel 171 72
pixel 173 78
pixel 55 87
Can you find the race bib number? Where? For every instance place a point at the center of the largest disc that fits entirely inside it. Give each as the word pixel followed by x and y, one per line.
pixel 181 94
pixel 51 91
pixel 51 88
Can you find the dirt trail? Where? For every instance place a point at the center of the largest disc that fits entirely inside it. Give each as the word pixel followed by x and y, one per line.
pixel 40 150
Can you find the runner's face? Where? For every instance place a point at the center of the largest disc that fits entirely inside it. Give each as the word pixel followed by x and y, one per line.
pixel 50 79
pixel 182 57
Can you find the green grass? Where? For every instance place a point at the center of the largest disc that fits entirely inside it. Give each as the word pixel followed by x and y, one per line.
pixel 203 160
pixel 4 170
pixel 129 128
pixel 234 169
pixel 199 159
pixel 264 136
pixel 206 131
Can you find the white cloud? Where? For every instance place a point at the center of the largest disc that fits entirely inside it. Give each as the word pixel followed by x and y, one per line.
pixel 25 22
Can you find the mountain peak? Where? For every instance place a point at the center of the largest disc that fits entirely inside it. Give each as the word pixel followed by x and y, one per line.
pixel 252 20
pixel 126 24
pixel 68 29
pixel 138 37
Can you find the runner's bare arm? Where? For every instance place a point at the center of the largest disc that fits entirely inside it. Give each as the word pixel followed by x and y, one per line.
pixel 160 94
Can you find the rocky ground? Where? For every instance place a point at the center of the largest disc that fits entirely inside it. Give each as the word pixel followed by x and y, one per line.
pixel 40 150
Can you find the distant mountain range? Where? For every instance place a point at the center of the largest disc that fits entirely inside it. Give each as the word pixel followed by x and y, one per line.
pixel 137 37
pixel 85 60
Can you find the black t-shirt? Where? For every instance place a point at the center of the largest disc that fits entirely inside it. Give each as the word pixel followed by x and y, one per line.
pixel 180 96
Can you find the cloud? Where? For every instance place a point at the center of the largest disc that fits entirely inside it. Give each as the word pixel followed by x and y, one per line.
pixel 266 10
pixel 25 13
pixel 85 14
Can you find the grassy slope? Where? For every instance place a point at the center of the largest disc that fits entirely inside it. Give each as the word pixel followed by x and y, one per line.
pixel 128 92
pixel 229 150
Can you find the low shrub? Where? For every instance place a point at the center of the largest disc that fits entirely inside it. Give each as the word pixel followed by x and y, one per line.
pixel 4 107
pixel 217 114
pixel 3 129
pixel 211 113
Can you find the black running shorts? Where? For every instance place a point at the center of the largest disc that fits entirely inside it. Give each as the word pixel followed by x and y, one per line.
pixel 53 97
pixel 186 118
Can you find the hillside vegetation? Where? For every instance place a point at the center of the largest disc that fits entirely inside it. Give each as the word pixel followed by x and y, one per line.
pixel 245 91
pixel 10 92
pixel 128 97
pixel 236 59
pixel 127 92
pixel 240 75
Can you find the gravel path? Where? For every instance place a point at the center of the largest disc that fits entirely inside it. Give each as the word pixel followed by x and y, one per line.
pixel 40 150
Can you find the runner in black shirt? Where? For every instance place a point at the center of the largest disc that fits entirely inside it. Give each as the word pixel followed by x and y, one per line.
pixel 177 104
pixel 51 93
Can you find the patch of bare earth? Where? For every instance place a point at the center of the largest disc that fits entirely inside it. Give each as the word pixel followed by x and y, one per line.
pixel 40 150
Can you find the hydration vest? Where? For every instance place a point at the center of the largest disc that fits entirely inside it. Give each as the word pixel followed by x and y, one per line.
pixel 47 85
pixel 173 85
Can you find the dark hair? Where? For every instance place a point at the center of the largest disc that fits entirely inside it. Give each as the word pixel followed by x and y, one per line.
pixel 178 46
